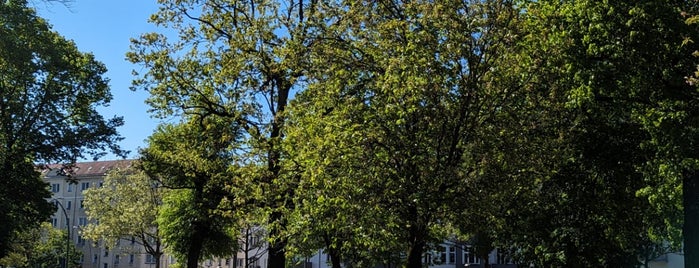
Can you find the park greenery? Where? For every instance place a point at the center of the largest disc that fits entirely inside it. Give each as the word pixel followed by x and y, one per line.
pixel 126 194
pixel 41 247
pixel 50 93
pixel 562 132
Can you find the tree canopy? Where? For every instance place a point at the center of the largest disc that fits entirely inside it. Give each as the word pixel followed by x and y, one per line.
pixel 562 130
pixel 48 112
pixel 623 71
pixel 241 60
pixel 192 159
pixel 126 208
pixel 43 246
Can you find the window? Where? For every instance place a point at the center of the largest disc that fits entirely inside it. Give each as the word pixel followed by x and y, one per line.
pixel 94 258
pixel 470 257
pixel 70 187
pixel 133 240
pixel 116 259
pixel 54 222
pixel 82 221
pixel 106 265
pixel 106 252
pixel 254 240
pixel 131 258
pixel 441 256
pixel 427 259
pixel 150 258
pixel 101 184
pixel 240 262
pixel 82 203
pixel 444 254
pixel 228 261
pixel 81 240
pixel 68 205
pixel 55 187
pixel 84 186
pixel 503 257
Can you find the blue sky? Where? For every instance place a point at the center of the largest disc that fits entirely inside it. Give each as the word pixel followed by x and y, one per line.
pixel 104 27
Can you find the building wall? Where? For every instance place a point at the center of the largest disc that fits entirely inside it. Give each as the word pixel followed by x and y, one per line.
pixel 68 191
pixel 670 260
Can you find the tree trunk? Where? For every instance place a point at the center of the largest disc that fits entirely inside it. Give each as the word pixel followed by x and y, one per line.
pixel 157 257
pixel 335 257
pixel 276 257
pixel 418 232
pixel 335 260
pixel 690 191
pixel 246 248
pixel 197 235
pixel 415 254
pixel 194 250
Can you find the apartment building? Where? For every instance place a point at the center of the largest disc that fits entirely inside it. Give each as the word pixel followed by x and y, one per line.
pixel 67 186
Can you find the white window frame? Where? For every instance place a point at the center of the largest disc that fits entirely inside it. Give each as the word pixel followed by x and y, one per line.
pixel 469 257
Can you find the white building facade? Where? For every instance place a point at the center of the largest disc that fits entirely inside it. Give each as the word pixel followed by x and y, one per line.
pixel 67 186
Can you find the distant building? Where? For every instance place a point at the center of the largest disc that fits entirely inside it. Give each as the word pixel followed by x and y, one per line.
pixel 67 186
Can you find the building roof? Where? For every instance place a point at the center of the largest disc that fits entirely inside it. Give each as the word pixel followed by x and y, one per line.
pixel 85 169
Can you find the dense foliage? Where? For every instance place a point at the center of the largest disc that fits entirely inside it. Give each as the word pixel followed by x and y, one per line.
pixel 41 247
pixel 622 69
pixel 192 160
pixel 375 130
pixel 388 132
pixel 48 113
pixel 238 60
pixel 126 194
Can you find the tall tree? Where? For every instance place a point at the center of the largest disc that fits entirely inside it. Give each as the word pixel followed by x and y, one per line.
pixel 235 59
pixel 672 123
pixel 395 109
pixel 48 112
pixel 613 64
pixel 126 208
pixel 194 160
pixel 333 210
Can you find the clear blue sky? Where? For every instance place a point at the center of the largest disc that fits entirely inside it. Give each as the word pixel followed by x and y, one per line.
pixel 104 27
